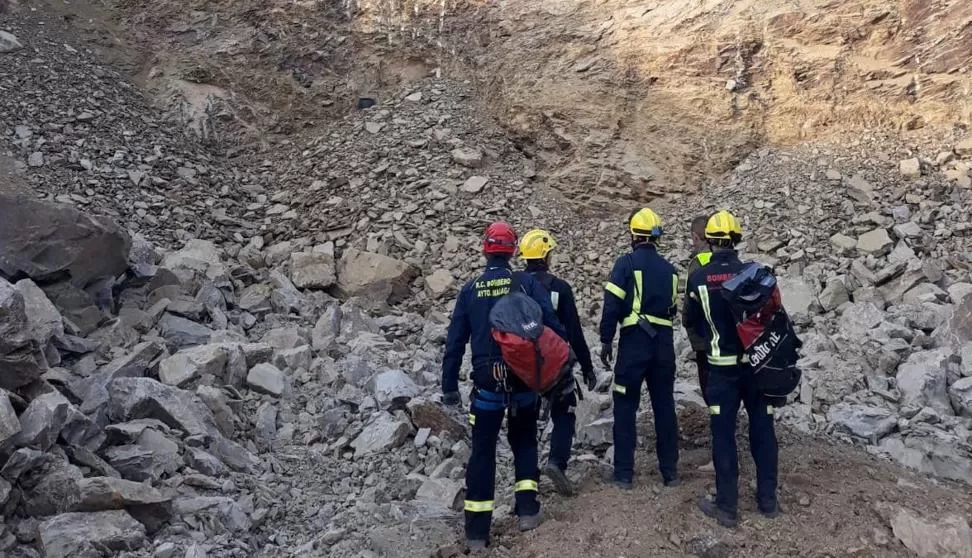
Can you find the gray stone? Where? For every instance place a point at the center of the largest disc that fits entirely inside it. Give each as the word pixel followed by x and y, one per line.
pixel 474 184
pixel 384 433
pixel 41 239
pixel 133 398
pixel 923 378
pixel 435 417
pixel 22 367
pixel 910 168
pixel 468 157
pixel 312 270
pixel 392 386
pixel 798 296
pixel 834 295
pixel 875 242
pixel 217 402
pixel 51 489
pixel 9 424
pixel 196 551
pixel 190 364
pixel 941 537
pixel 205 462
pixel 843 243
pixel 957 329
pixel 267 378
pixel 35 159
pixel 298 358
pixel 106 493
pixel 195 258
pixel 327 328
pixel 966 355
pixel 925 292
pixel 374 277
pixel 902 254
pixel 43 319
pixel 931 450
pixel 9 43
pixel 960 394
pixel 439 283
pixel 77 535
pixel 907 230
pixel 224 511
pixel 255 299
pixel 13 319
pixel 235 456
pixel 597 433
pixel 859 319
pixel 41 423
pixel 265 425
pixel 283 338
pixel 285 298
pixel 441 491
pixel 959 291
pixel 180 333
pixel 865 422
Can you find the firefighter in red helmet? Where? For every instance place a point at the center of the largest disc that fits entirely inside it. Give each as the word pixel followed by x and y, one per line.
pixel 495 394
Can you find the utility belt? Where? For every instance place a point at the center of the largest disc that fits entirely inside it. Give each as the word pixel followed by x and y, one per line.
pixel 498 401
pixel 646 322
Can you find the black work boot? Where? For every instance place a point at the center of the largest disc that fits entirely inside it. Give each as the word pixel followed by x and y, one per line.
pixel 672 482
pixel 770 511
pixel 709 508
pixel 559 479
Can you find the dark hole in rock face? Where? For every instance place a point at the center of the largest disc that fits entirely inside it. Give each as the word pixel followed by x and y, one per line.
pixel 366 102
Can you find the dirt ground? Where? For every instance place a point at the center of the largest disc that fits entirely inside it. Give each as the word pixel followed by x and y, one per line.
pixel 835 500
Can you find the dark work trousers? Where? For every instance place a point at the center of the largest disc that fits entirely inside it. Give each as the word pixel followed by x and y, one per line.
pixel 564 423
pixel 702 362
pixel 652 362
pixel 487 419
pixel 728 387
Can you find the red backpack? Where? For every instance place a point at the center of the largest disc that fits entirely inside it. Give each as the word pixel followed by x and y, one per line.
pixel 532 351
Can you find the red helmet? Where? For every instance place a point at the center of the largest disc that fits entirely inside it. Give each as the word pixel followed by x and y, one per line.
pixel 500 238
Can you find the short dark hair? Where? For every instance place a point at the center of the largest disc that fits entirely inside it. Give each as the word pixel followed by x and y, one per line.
pixel 698 225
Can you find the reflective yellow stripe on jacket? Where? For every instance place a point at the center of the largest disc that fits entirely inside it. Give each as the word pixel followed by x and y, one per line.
pixel 634 316
pixel 704 257
pixel 715 353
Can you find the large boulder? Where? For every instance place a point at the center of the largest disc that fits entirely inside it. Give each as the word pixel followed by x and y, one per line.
pixel 375 277
pixel 960 394
pixel 933 451
pixel 43 319
pixel 312 270
pixel 135 398
pixel 435 417
pixel 957 329
pixel 14 332
pixel 923 380
pixel 194 259
pixel 797 295
pixel 9 424
pixel 384 433
pixel 73 535
pixel 393 386
pixel 444 492
pixel 190 364
pixel 42 239
pixel 942 537
pixel 864 422
pixel 106 493
pixel 179 332
pixel 267 378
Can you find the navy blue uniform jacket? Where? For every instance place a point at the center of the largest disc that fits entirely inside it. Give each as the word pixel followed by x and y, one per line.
pixel 470 324
pixel 642 282
pixel 708 314
pixel 562 299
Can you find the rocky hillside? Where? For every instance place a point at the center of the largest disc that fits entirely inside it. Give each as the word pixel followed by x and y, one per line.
pixel 218 341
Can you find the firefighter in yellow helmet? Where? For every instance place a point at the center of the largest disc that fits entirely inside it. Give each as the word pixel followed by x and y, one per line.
pixel 641 297
pixel 701 254
pixel 730 382
pixel 536 249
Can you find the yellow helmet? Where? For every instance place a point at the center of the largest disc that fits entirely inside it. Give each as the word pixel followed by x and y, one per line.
pixel 723 225
pixel 536 244
pixel 645 222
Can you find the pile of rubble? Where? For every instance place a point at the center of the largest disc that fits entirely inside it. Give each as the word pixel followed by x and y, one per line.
pixel 178 395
